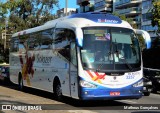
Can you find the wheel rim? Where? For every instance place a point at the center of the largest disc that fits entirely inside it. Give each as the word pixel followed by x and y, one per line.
pixel 58 91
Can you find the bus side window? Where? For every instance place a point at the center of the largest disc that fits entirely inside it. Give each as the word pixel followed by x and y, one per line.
pixel 62 44
pixel 73 53
pixel 34 41
pixel 59 36
pixel 31 44
pixel 14 44
pixel 22 48
pixel 46 39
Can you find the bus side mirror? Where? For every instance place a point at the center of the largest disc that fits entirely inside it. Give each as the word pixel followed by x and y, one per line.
pixel 144 38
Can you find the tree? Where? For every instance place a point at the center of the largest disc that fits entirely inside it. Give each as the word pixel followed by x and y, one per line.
pixel 23 14
pixel 156 20
pixel 26 14
pixel 156 14
pixel 3 11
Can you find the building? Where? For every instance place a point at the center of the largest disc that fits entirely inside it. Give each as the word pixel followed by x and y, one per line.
pixel 85 5
pixel 103 5
pixel 95 5
pixel 146 19
pixel 131 9
pixel 137 10
pixel 62 12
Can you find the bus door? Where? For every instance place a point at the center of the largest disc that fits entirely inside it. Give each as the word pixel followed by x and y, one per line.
pixel 73 71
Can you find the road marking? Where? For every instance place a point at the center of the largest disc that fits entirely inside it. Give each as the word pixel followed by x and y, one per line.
pixel 128 101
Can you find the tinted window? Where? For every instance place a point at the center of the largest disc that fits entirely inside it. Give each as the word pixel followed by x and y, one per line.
pixel 62 41
pixel 14 44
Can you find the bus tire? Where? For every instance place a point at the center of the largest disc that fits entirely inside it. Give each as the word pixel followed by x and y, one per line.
pixel 146 93
pixel 20 83
pixel 57 90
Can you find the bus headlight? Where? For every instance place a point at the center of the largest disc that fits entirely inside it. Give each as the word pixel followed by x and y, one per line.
pixel 138 84
pixel 86 84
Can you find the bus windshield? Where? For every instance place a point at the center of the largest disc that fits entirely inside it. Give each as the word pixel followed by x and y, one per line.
pixel 110 49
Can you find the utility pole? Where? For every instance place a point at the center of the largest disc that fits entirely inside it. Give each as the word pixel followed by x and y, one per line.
pixel 66 7
pixel 4 35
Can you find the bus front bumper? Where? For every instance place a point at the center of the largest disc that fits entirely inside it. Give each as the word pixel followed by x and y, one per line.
pixel 110 94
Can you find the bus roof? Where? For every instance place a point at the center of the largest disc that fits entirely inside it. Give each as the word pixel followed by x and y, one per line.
pixel 80 20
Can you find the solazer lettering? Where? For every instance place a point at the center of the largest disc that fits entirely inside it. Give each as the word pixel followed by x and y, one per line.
pixel 42 59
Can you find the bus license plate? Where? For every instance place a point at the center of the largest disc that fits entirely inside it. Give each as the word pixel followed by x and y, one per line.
pixel 114 93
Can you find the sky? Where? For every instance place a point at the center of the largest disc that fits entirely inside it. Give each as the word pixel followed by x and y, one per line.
pixel 71 4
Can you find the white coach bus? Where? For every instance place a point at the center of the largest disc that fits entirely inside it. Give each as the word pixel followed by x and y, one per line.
pixel 85 56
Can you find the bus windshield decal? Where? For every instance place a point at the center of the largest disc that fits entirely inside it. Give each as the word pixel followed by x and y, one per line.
pixel 96 32
pixel 107 36
pixel 101 38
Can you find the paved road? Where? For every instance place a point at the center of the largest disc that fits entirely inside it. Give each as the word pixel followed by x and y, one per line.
pixel 43 100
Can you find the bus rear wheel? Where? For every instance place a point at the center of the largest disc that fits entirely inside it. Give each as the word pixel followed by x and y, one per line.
pixel 58 91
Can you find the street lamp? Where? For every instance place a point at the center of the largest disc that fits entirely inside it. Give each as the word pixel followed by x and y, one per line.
pixel 66 6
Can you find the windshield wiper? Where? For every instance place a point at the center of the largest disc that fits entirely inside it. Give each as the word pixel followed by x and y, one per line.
pixel 128 65
pixel 123 58
pixel 108 55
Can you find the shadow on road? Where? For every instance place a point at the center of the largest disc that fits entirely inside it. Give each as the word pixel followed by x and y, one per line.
pixel 88 105
pixel 69 103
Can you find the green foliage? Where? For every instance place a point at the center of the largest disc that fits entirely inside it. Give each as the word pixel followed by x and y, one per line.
pixel 3 9
pixel 23 14
pixel 26 14
pixel 123 17
pixel 3 12
pixel 156 14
